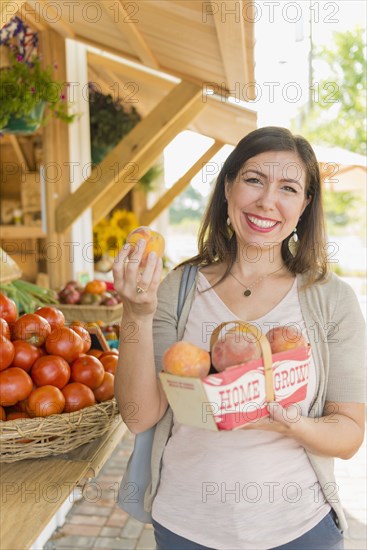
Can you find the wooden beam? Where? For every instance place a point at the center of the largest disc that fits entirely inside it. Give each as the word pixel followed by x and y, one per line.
pixel 250 46
pixel 19 152
pixel 49 15
pixel 221 90
pixel 221 120
pixel 142 164
pixel 131 72
pixel 134 155
pixel 29 16
pixel 130 32
pixel 231 38
pixel 8 10
pixel 180 185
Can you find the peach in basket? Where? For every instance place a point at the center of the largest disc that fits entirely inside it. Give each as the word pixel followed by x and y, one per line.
pixel 185 359
pixel 285 338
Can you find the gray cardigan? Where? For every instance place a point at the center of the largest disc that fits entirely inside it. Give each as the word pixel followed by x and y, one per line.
pixel 335 327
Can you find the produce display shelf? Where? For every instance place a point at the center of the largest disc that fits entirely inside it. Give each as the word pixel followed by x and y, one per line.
pixel 21 232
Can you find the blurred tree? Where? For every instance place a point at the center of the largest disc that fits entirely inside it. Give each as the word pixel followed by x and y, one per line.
pixel 188 205
pixel 336 114
pixel 341 209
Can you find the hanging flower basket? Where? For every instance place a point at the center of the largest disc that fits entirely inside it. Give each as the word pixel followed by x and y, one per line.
pixel 25 124
pixel 26 87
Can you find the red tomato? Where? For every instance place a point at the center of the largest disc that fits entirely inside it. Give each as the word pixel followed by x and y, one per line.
pixel 4 329
pixel 109 362
pixel 8 309
pixel 21 406
pixel 111 352
pixel 32 328
pixel 64 342
pixel 84 335
pixel 88 370
pixel 25 355
pixel 51 370
pixel 105 391
pixel 6 353
pixel 77 396
pixel 17 414
pixel 15 385
pixel 2 413
pixel 54 316
pixel 44 401
pixel 95 352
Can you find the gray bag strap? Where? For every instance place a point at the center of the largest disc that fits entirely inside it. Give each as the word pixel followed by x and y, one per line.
pixel 188 277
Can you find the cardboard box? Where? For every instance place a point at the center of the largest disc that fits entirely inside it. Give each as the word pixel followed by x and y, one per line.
pixel 236 396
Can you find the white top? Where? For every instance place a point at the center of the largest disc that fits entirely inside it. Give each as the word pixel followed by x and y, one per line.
pixel 243 489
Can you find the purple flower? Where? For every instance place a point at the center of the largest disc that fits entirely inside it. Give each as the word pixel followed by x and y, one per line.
pixel 19 58
pixel 62 96
pixel 33 90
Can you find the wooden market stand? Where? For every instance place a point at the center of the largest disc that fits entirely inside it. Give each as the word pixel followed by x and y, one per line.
pixel 183 59
pixel 165 56
pixel 32 491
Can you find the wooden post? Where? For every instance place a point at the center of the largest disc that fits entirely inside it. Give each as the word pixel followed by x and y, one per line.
pixel 55 170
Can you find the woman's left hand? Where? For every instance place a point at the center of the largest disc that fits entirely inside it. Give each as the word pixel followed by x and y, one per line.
pixel 338 433
pixel 280 420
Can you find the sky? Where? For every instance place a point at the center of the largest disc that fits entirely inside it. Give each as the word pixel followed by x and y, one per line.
pixel 282 34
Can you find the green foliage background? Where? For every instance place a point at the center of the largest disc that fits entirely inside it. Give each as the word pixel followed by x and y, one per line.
pixel 337 116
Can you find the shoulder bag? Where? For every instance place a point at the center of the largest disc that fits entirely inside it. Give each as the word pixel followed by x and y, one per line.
pixel 138 470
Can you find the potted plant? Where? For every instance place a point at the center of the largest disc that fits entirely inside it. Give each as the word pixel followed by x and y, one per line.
pixel 109 122
pixel 26 88
pixel 25 91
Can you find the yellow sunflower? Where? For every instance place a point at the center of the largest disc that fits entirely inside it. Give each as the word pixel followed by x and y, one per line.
pixel 124 220
pixel 109 235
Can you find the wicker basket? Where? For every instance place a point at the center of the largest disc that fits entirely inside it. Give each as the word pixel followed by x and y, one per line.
pixel 56 434
pixel 89 314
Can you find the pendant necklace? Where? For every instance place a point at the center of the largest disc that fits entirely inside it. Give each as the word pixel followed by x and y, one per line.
pixel 248 289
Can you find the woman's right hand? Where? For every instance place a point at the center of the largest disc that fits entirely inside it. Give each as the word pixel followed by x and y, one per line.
pixel 129 278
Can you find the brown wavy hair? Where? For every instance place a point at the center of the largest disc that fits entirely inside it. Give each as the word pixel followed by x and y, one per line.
pixel 217 244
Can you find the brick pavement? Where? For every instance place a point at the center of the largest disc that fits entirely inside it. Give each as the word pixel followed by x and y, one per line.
pixel 96 522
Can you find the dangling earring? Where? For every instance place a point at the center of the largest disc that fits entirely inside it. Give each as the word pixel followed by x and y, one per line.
pixel 293 243
pixel 228 222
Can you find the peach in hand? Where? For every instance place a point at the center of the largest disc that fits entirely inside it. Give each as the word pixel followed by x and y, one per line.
pixel 285 338
pixel 235 348
pixel 154 242
pixel 185 359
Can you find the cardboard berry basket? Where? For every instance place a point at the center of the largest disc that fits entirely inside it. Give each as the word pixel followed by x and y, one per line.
pixel 238 395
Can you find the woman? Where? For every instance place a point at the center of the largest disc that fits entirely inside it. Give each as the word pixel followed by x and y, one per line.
pixel 261 259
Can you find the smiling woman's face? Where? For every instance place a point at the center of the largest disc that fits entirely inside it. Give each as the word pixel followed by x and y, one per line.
pixel 267 198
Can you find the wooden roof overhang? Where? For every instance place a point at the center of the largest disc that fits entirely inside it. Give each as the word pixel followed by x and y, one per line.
pixel 173 51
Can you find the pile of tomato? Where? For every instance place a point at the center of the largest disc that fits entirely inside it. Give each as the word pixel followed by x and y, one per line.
pixel 47 367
